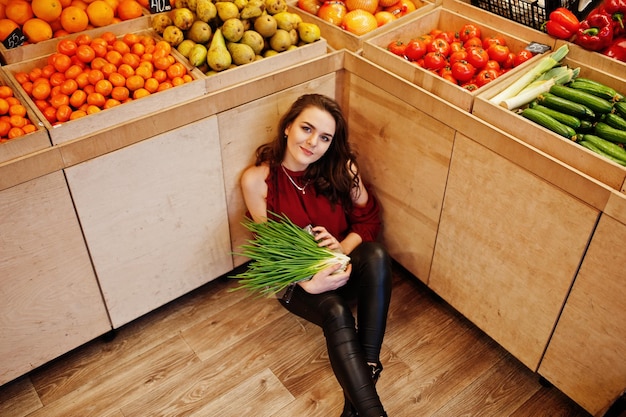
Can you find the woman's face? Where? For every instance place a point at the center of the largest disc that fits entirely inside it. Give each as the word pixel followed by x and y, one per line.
pixel 308 138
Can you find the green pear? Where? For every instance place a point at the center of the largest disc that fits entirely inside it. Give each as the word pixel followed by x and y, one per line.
pixel 254 40
pixel 200 32
pixel 285 20
pixel 308 32
pixel 218 56
pixel 206 10
pixel 232 30
pixel 197 55
pixel 266 25
pixel 185 47
pixel 251 11
pixel 241 53
pixel 281 40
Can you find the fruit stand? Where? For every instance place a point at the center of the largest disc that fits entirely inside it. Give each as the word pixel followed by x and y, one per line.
pixel 145 197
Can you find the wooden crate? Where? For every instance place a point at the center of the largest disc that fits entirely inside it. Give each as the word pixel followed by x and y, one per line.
pixel 567 151
pixel 36 50
pixel 375 49
pixel 596 60
pixel 126 112
pixel 339 39
pixel 31 142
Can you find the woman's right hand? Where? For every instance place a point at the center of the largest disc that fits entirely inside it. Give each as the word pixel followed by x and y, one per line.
pixel 327 280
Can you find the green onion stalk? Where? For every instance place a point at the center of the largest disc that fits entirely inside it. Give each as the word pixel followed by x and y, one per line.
pixel 281 254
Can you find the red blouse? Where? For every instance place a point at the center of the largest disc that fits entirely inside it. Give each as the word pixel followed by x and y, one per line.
pixel 310 208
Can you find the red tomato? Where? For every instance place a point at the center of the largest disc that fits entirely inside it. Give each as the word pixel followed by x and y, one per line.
pixel 458 56
pixel 439 45
pixel 522 56
pixel 434 61
pixel 463 71
pixel 473 43
pixel 493 40
pixel 510 61
pixel 470 86
pixel 415 49
pixel 478 57
pixel 456 46
pixel 469 30
pixel 498 53
pixel 397 47
pixel 485 76
pixel 446 74
pixel 448 36
pixel 493 65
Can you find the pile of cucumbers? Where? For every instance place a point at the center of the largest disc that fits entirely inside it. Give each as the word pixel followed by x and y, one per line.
pixel 586 111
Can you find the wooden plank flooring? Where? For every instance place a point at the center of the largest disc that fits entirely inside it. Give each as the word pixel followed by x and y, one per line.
pixel 215 352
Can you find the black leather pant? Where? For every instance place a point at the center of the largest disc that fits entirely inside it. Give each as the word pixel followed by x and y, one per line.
pixel 350 350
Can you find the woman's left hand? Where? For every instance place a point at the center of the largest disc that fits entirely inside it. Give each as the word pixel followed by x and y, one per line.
pixel 325 239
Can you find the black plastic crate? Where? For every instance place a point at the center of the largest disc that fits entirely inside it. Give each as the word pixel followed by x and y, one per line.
pixel 531 13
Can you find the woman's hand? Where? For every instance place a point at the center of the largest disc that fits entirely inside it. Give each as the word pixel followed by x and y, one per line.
pixel 325 239
pixel 327 280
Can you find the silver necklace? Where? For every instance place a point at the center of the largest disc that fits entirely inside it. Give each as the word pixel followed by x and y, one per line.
pixel 301 189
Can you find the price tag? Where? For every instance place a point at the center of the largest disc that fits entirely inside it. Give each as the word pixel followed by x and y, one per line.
pixel 160 6
pixel 15 39
pixel 537 48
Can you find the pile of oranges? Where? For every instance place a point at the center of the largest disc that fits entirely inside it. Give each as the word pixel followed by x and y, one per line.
pixel 85 75
pixel 359 16
pixel 14 121
pixel 41 20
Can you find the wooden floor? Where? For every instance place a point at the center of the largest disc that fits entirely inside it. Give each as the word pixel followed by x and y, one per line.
pixel 220 353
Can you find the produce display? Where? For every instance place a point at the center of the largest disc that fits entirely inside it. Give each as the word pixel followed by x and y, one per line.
pixel 87 75
pixel 359 16
pixel 581 109
pixel 32 21
pixel 222 35
pixel 14 121
pixel 464 57
pixel 602 30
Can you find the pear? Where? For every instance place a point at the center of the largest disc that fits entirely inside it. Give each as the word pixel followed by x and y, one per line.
pixel 173 35
pixel 160 22
pixel 254 40
pixel 232 30
pixel 200 32
pixel 227 10
pixel 251 11
pixel 308 32
pixel 281 40
pixel 269 53
pixel 285 20
pixel 240 4
pixel 241 53
pixel 275 6
pixel 266 25
pixel 185 47
pixel 192 4
pixel 218 56
pixel 206 10
pixel 198 54
pixel 293 34
pixel 182 17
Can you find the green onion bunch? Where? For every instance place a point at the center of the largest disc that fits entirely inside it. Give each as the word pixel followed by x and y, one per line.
pixel 282 253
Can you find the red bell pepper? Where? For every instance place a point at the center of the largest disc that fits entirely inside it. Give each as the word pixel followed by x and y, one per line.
pixel 617 10
pixel 596 31
pixel 617 49
pixel 562 23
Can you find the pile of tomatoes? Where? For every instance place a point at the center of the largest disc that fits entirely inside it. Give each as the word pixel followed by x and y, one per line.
pixel 463 57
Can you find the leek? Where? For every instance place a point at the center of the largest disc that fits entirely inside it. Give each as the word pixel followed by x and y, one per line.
pixel 281 254
pixel 558 75
pixel 545 64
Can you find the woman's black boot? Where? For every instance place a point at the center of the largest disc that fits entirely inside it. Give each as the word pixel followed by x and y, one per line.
pixel 348 408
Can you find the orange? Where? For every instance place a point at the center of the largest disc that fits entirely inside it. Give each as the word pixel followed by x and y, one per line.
pixel 59 100
pixel 15 132
pixel 108 69
pixel 161 63
pixel 82 79
pixel 19 11
pixel 98 63
pixel 91 109
pixel 60 62
pixel 37 30
pixel 131 39
pixel 78 98
pixel 111 102
pixel 17 121
pixel 74 19
pixel 83 39
pixel 176 70
pixel 65 3
pixel 35 73
pixel 6 27
pixel 95 76
pixel 73 71
pixel 47 71
pixel 367 5
pixel 48 10
pixel 17 110
pixel 160 75
pixel 69 87
pixel 152 85
pixel 138 49
pixel 3 13
pixel 144 71
pixel 165 85
pixel 63 113
pixel 41 91
pixel 96 99
pixel 4 128
pixel 6 91
pixel 129 9
pixel 121 46
pixel 29 128
pixel 114 57
pixel 126 70
pixel 383 17
pixel 144 3
pixel 139 93
pixel 131 59
pixel 86 54
pixel 134 82
pixel 100 13
pixel 117 79
pixel 114 4
pixel 332 12
pixel 57 79
pixel 104 87
pixel 80 4
pixel 41 104
pixel 359 22
pixel 177 81
pixel 50 113
pixel 120 93
pixel 401 8
pixel 77 114
pixel 4 106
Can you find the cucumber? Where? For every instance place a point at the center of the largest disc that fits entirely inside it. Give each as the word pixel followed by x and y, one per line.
pixel 566 119
pixel 596 88
pixel 596 104
pixel 607 147
pixel 620 108
pixel 565 106
pixel 585 126
pixel 549 122
pixel 615 121
pixel 609 133
pixel 594 148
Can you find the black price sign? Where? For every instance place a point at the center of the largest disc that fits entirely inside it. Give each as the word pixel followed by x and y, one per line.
pixel 537 48
pixel 15 39
pixel 159 6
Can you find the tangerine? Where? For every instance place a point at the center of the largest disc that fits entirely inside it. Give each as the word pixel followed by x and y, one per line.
pixel 58 100
pixel 109 37
pixel 4 106
pixel 86 54
pixel 17 121
pixel 120 93
pixel 129 9
pixel 94 76
pixel 134 82
pixel 139 93
pixel 50 113
pixel 7 26
pixel 48 10
pixel 4 128
pixel 67 47
pixel 359 22
pixel 6 91
pixel 69 87
pixel 176 70
pixel 114 57
pixel 104 87
pixel 111 102
pixel 19 11
pixel 91 109
pixel 73 71
pixel 95 99
pixel 60 62
pixel 126 70
pixel 152 85
pixel 57 79
pixel 108 69
pixel 41 91
pixel 78 98
pixel 117 79
pixel 63 113
pixel 15 132
pixel 29 128
pixel 100 13
pixel 17 110
pixel 77 114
